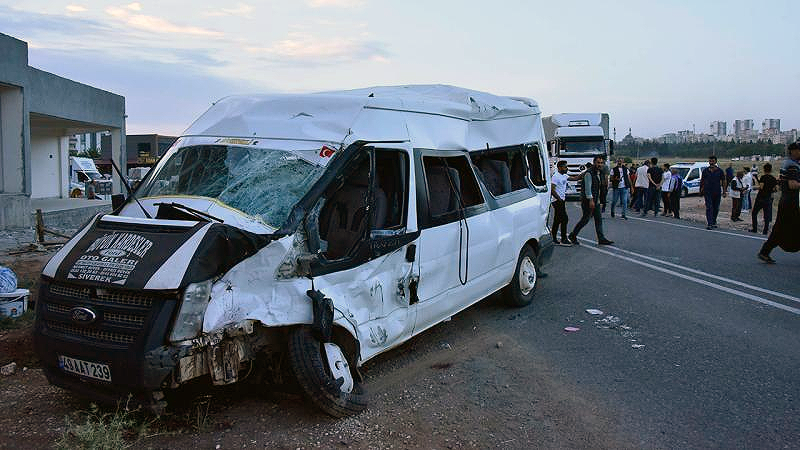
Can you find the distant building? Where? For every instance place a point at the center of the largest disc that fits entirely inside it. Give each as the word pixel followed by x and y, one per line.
pixel 719 129
pixel 771 124
pixel 142 150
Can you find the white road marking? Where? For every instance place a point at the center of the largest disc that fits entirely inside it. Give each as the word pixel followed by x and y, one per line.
pixel 705 274
pixel 698 280
pixel 758 238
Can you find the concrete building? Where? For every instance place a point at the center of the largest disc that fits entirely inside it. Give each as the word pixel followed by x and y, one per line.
pixel 39 111
pixel 719 129
pixel 743 129
pixel 771 124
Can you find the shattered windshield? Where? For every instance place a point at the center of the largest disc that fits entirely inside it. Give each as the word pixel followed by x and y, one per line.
pixel 258 182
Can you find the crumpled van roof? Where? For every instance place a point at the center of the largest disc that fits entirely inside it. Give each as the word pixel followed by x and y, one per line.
pixel 376 113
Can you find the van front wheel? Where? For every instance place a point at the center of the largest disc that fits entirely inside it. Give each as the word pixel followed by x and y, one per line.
pixel 324 374
pixel 522 288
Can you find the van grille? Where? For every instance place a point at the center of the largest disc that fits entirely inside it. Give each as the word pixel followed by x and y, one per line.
pixel 121 315
pixel 100 335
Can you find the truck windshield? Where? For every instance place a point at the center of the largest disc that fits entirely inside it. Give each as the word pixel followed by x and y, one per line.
pixel 582 147
pixel 258 182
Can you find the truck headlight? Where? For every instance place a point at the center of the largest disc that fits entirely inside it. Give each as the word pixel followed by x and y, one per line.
pixel 189 322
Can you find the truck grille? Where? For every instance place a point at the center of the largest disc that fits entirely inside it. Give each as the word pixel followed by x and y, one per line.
pixel 121 315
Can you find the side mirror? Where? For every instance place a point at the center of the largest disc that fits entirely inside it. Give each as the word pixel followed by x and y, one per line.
pixel 117 200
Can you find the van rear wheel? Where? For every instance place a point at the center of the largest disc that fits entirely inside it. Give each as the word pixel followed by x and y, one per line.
pixel 324 374
pixel 522 288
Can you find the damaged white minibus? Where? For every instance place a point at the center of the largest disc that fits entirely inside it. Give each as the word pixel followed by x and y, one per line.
pixel 300 234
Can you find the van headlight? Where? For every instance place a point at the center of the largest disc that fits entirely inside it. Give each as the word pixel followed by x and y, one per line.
pixel 189 322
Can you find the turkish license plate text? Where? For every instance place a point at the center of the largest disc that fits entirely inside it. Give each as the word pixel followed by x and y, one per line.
pixel 85 368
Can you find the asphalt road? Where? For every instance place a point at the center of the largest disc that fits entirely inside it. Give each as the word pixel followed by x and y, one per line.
pixel 720 364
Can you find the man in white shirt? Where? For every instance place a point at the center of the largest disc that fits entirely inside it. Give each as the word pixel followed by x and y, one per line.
pixel 748 184
pixel 620 187
pixel 737 188
pixel 666 189
pixel 641 187
pixel 559 193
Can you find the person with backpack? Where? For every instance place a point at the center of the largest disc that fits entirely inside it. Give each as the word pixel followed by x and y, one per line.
pixel 621 186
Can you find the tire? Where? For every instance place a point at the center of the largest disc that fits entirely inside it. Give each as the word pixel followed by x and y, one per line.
pixel 521 289
pixel 310 367
pixel 684 192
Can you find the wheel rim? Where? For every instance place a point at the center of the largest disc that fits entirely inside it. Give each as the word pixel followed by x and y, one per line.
pixel 338 366
pixel 527 276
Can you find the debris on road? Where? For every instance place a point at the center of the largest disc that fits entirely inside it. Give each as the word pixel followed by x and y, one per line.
pixel 8 369
pixel 637 346
pixel 609 321
pixel 571 329
pixel 499 344
pixel 594 312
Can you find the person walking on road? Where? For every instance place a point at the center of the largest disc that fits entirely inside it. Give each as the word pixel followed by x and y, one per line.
pixel 786 231
pixel 620 187
pixel 712 188
pixel 675 188
pixel 766 186
pixel 747 179
pixel 665 185
pixel 559 193
pixel 737 190
pixel 640 187
pixel 654 176
pixel 590 193
pixel 604 185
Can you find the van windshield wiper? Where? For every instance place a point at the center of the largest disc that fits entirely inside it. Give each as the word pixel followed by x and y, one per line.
pixel 192 211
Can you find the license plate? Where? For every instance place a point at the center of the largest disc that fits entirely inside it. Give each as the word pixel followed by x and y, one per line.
pixel 85 368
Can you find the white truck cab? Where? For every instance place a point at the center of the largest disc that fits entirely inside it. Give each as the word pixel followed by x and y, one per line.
pixel 577 138
pixel 314 231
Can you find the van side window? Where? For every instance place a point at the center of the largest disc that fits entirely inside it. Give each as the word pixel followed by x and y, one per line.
pixel 450 183
pixel 343 218
pixel 391 189
pixel 693 175
pixel 502 170
pixel 535 166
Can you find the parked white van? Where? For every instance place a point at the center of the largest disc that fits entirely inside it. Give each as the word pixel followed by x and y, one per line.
pixel 309 231
pixel 691 173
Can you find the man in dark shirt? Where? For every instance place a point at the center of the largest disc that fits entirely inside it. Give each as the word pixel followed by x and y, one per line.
pixel 766 186
pixel 713 186
pixel 590 203
pixel 655 176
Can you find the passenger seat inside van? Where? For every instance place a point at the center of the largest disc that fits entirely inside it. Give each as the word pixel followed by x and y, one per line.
pixel 496 176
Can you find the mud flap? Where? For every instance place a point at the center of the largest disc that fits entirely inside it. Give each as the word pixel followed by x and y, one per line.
pixel 323 315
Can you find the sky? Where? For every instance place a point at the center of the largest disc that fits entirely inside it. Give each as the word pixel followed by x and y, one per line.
pixel 655 66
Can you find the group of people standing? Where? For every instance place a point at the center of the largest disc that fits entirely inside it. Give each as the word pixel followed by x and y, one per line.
pixel 653 185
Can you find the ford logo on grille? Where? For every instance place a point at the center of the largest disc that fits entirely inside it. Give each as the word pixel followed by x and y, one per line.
pixel 82 315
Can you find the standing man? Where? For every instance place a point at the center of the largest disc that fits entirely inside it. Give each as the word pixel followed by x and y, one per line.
pixel 766 186
pixel 665 190
pixel 712 188
pixel 748 184
pixel 559 192
pixel 641 187
pixel 604 185
pixel 676 186
pixel 737 190
pixel 786 232
pixel 620 187
pixel 590 194
pixel 654 177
